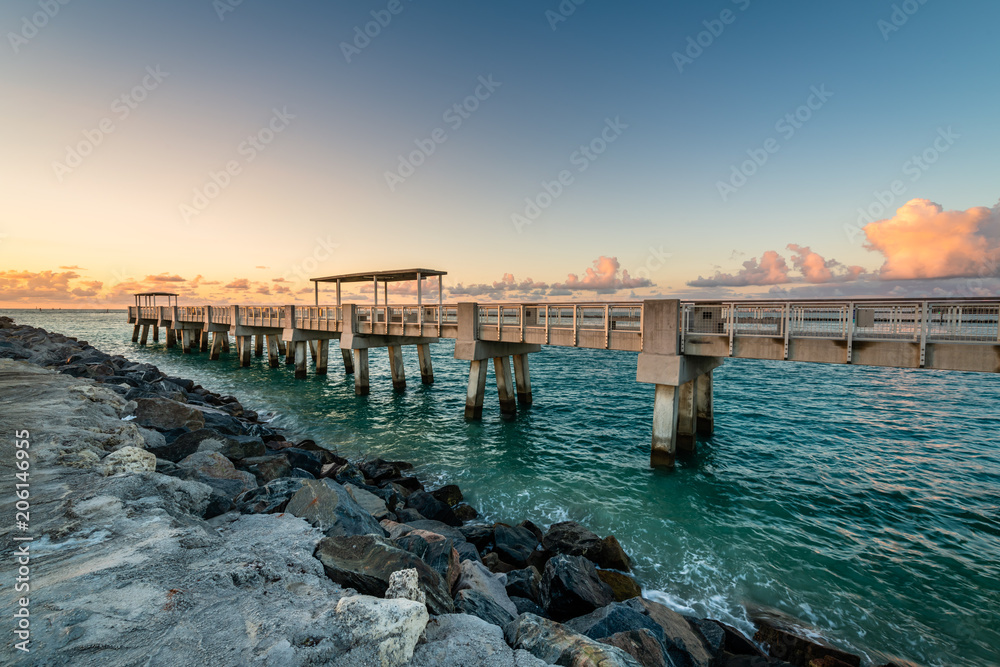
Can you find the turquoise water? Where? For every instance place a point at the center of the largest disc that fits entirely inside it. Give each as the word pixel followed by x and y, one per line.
pixel 863 501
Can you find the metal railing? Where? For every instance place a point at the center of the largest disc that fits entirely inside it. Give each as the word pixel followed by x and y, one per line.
pixel 262 316
pixel 616 326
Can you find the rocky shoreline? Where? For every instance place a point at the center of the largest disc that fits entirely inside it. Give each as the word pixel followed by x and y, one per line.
pixel 172 526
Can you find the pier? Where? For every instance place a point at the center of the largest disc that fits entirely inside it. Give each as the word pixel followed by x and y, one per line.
pixel 678 343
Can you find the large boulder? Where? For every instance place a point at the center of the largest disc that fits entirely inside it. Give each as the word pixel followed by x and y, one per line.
pixel 435 550
pixel 382 632
pixel 622 585
pixel 303 459
pixel 266 468
pixel 482 606
pixel 610 555
pixel 368 501
pixel 614 618
pixel 467 551
pixel 525 583
pixel 452 533
pixel 570 538
pixel 720 637
pixel 218 472
pixel 570 588
pixel 514 544
pixel 556 644
pixel 268 499
pixel 163 414
pixel 328 506
pixel 450 495
pixel 461 640
pixel 479 534
pixel 684 646
pixel 177 446
pixel 367 562
pixel 783 642
pixel 127 460
pixel 234 447
pixel 642 645
pixel 475 576
pixel 432 508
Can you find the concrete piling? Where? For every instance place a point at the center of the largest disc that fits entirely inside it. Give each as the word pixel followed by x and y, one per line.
pixel 314 350
pixel 687 416
pixel 706 416
pixel 243 346
pixel 396 367
pixel 258 350
pixel 322 356
pixel 225 341
pixel 289 353
pixel 156 334
pixel 203 340
pixel 505 388
pixel 216 346
pixel 135 333
pixel 665 408
pixel 145 334
pixel 361 387
pixel 424 358
pixel 348 361
pixel 272 351
pixel 186 341
pixel 477 390
pixel 300 358
pixel 522 379
pixel 171 338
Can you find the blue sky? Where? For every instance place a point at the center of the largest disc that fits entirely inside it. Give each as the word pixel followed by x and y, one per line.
pixel 894 77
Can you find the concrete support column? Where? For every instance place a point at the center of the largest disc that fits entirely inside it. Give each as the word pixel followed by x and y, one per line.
pixel 156 334
pixel 706 414
pixel 301 358
pixel 664 426
pixel 687 416
pixel 322 355
pixel 281 346
pixel 289 353
pixel 348 361
pixel 171 338
pixel 186 341
pixel 203 340
pixel 505 388
pixel 145 334
pixel 314 350
pixel 216 346
pixel 477 390
pixel 522 379
pixel 272 351
pixel 243 346
pixel 361 372
pixel 135 333
pixel 426 369
pixel 396 367
pixel 225 341
pixel 258 350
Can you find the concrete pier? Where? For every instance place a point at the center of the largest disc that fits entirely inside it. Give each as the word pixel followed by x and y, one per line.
pixel 706 416
pixel 348 361
pixel 171 338
pixel 505 388
pixel 145 334
pixel 396 367
pixel 203 340
pixel 424 359
pixel 290 353
pixel 225 342
pixel 687 416
pixel 186 341
pixel 135 333
pixel 272 350
pixel 477 390
pixel 665 408
pixel 522 379
pixel 244 345
pixel 216 345
pixel 156 334
pixel 361 387
pixel 301 359
pixel 322 356
pixel 258 350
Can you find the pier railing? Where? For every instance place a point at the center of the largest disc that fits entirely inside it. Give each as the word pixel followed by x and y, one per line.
pixel 614 326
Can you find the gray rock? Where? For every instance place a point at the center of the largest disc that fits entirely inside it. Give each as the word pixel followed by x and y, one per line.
pixel 482 606
pixel 430 526
pixel 369 501
pixel 526 606
pixel 432 508
pixel 475 576
pixel 267 468
pixel 514 544
pixel 328 506
pixel 267 499
pixel 164 414
pixel 467 551
pixel 128 460
pixel 642 645
pixel 382 632
pixel 611 620
pixel 684 646
pixel 556 644
pixel 461 640
pixel 570 538
pixel 218 472
pixel 435 550
pixel 525 583
pixel 570 587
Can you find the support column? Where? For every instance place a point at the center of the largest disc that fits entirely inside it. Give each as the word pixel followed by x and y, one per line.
pixel 216 346
pixel 426 368
pixel 243 347
pixel 289 353
pixel 156 334
pixel 505 388
pixel 272 351
pixel 281 346
pixel 348 361
pixel 322 355
pixel 706 413
pixel 477 390
pixel 361 372
pixel 145 334
pixel 664 426
pixel 314 350
pixel 258 350
pixel 186 341
pixel 522 379
pixel 135 333
pixel 300 358
pixel 203 340
pixel 225 341
pixel 687 416
pixel 396 368
pixel 171 338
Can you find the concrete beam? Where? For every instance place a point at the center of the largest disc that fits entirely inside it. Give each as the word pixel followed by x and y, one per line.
pixel 361 387
pixel 522 379
pixel 424 359
pixel 353 341
pixel 476 391
pixel 474 350
pixel 672 369
pixel 665 409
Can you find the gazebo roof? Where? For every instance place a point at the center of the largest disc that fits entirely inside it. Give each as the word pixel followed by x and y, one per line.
pixel 155 294
pixel 399 275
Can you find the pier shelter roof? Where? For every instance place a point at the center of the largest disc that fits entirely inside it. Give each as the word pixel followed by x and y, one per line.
pixel 149 298
pixel 384 277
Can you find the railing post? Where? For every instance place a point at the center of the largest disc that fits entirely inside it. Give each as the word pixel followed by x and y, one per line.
pixel 786 324
pixel 850 331
pixel 924 324
pixel 546 324
pixel 732 326
pixel 522 322
pixel 574 325
pixel 607 326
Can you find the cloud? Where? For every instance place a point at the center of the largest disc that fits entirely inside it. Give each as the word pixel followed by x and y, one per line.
pixel 239 283
pixel 815 269
pixel 279 280
pixel 604 277
pixel 164 278
pixel 924 241
pixel 263 289
pixel 199 280
pixel 45 287
pixel 771 270
pixel 73 268
pixel 262 267
pixel 281 289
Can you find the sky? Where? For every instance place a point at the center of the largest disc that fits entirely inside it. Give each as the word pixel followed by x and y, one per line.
pixel 535 150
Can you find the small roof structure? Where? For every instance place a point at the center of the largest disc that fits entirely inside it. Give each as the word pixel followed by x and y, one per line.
pixel 385 277
pixel 149 298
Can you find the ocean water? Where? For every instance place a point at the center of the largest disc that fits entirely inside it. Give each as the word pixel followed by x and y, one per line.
pixel 863 501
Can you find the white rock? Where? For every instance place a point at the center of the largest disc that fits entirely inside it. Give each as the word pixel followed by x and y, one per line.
pixel 478 577
pixel 403 585
pixel 386 630
pixel 128 459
